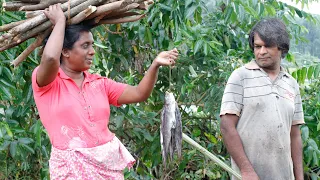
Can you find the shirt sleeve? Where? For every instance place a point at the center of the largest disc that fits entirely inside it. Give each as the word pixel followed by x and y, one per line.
pixel 298 116
pixel 114 90
pixel 39 91
pixel 232 99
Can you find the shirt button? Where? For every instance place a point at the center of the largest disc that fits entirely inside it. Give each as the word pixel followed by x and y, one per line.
pixel 97 142
pixel 92 125
pixel 89 106
pixel 85 108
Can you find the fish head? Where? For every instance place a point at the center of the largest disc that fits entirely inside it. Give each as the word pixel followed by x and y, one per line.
pixel 169 98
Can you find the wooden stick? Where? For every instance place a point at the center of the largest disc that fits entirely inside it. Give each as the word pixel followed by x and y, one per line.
pixel 122 20
pixel 47 24
pixel 7 27
pixel 31 48
pixel 210 155
pixel 127 2
pixel 145 5
pixel 98 18
pixel 122 10
pixel 122 15
pixel 83 15
pixel 31 14
pixel 30 1
pixel 14 6
pixel 105 8
pixel 31 33
pixel 33 22
pixel 40 6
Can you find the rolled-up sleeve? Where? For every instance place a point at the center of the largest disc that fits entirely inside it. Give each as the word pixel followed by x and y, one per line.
pixel 298 117
pixel 232 100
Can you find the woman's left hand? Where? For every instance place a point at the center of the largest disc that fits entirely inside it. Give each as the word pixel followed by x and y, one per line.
pixel 167 58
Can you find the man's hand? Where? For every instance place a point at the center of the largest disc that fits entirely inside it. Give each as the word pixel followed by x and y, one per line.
pixel 249 175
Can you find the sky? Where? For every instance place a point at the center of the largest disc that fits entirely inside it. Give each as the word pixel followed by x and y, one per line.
pixel 313 8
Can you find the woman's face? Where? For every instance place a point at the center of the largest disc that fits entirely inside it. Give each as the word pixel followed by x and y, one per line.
pixel 80 57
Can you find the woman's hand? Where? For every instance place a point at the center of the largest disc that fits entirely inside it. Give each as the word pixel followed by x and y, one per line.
pixel 166 58
pixel 55 14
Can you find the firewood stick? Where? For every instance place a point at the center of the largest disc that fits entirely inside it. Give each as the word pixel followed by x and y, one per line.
pixel 33 32
pixel 14 6
pixel 122 15
pixel 145 5
pixel 83 15
pixel 124 9
pixel 42 18
pixel 47 24
pixel 5 47
pixel 40 6
pixel 122 20
pixel 31 14
pixel 30 1
pixel 105 8
pixel 127 2
pixel 7 27
pixel 33 22
pixel 31 48
pixel 98 18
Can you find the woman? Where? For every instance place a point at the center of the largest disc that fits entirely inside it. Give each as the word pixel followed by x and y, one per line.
pixel 74 105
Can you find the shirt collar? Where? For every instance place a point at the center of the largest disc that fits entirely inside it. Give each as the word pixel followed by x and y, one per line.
pixel 252 65
pixel 87 76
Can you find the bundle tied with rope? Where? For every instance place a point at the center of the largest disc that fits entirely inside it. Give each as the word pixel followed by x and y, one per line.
pixel 38 26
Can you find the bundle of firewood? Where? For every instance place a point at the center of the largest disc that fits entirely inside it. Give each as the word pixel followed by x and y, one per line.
pixel 37 25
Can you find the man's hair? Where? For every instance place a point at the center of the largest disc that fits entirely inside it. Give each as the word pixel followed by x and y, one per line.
pixel 72 34
pixel 273 32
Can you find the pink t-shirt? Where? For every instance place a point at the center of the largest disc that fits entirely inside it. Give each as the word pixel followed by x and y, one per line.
pixel 77 118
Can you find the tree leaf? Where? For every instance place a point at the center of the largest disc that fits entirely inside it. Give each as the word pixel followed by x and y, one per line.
pixel 299 13
pixel 25 140
pixel 5 91
pixel 310 72
pixel 190 11
pixel 13 148
pixel 197 46
pixel 192 71
pixel 305 133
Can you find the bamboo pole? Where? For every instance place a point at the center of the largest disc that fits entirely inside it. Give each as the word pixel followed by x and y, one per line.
pixel 210 155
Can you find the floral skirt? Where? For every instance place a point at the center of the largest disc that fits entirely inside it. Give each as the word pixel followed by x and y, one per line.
pixel 102 162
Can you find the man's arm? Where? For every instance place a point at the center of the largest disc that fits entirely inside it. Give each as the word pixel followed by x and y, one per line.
pixel 234 146
pixel 296 152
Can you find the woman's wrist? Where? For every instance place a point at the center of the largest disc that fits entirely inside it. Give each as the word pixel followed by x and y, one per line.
pixel 155 64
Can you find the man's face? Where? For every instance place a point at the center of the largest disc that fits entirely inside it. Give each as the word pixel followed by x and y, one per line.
pixel 266 57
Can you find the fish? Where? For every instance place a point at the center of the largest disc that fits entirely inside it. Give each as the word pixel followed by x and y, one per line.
pixel 170 129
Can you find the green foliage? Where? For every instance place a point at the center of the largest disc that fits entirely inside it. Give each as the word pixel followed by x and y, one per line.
pixel 211 37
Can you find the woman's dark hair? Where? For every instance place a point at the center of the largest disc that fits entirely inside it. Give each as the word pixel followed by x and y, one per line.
pixel 273 32
pixel 72 34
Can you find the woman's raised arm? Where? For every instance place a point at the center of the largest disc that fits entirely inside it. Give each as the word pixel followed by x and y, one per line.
pixel 50 60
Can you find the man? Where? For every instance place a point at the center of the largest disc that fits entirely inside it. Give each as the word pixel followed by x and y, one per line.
pixel 261 110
